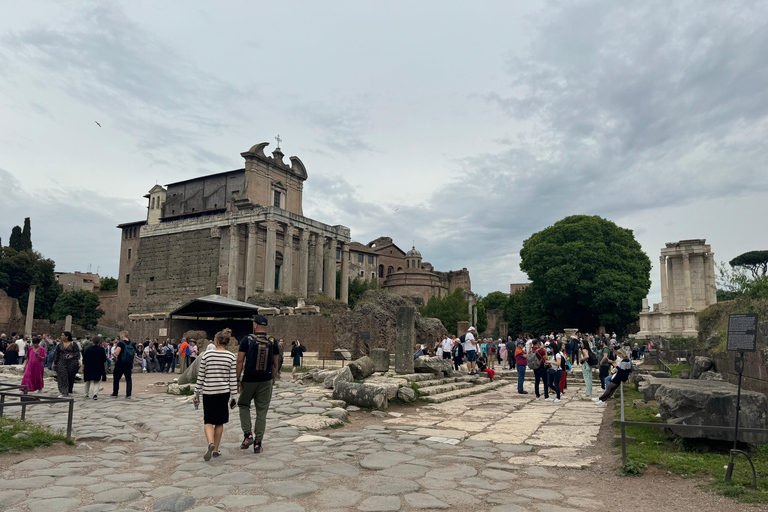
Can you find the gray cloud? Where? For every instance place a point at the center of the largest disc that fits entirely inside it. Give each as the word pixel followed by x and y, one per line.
pixel 339 128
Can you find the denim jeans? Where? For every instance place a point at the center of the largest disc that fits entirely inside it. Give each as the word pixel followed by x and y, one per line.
pixel 520 377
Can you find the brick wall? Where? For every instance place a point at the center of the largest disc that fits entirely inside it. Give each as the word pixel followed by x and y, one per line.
pixel 174 269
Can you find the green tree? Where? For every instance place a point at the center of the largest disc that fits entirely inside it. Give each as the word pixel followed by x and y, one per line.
pixel 26 236
pixel 21 269
pixel 495 300
pixel 586 272
pixel 754 261
pixel 482 318
pixel 357 287
pixel 108 284
pixel 450 310
pixel 81 304
pixel 15 241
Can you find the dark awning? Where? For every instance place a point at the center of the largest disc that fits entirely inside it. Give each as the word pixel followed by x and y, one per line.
pixel 216 306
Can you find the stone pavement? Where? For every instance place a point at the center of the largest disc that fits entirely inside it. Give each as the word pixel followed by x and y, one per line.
pixel 483 452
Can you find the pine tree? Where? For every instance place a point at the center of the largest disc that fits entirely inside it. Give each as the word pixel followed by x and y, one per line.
pixel 26 236
pixel 15 241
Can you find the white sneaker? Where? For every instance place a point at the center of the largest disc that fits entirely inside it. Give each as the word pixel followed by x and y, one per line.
pixel 556 401
pixel 562 395
pixel 538 398
pixel 596 399
pixel 549 399
pixel 600 404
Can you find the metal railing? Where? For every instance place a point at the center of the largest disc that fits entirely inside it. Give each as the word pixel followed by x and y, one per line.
pixel 26 400
pixel 624 424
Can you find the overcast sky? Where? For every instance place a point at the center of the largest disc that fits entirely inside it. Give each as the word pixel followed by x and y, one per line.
pixel 462 126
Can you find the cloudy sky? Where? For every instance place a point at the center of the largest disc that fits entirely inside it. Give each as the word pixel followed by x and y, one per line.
pixel 462 126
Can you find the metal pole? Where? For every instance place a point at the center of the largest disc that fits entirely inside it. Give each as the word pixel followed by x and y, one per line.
pixel 24 405
pixel 729 470
pixel 623 443
pixel 621 389
pixel 69 419
pixel 2 408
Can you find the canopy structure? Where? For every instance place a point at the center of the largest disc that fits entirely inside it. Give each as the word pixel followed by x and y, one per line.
pixel 216 306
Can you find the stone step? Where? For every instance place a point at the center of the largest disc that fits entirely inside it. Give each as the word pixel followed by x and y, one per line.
pixel 445 380
pixel 461 393
pixel 436 390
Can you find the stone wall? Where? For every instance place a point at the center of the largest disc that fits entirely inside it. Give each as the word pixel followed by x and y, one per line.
pixel 755 376
pixel 316 332
pixel 11 316
pixel 173 270
pixel 108 303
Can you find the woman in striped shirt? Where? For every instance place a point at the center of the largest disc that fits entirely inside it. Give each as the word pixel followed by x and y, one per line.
pixel 216 381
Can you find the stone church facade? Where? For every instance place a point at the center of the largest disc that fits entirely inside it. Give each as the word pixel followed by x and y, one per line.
pixel 233 233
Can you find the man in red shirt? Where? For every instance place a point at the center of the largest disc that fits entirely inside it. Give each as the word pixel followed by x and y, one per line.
pixel 540 373
pixel 183 353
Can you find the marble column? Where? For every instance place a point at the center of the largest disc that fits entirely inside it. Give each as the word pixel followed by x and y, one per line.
pixel 329 286
pixel 250 261
pixel 234 253
pixel 269 257
pixel 664 289
pixel 318 262
pixel 30 312
pixel 687 278
pixel 286 271
pixel 344 295
pixel 710 287
pixel 303 262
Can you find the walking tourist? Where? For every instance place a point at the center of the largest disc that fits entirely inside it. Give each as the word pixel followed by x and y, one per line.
pixel 457 353
pixel 510 353
pixel 281 357
pixel 553 372
pixel 447 346
pixel 587 360
pixel 624 367
pixel 605 363
pixel 503 355
pixel 521 362
pixel 536 362
pixel 22 349
pixel 470 350
pixel 123 359
pixel 33 372
pixel 297 352
pixel 183 355
pixel 11 354
pixel 94 369
pixel 257 363
pixel 66 362
pixel 493 349
pixel 217 382
pixel 192 351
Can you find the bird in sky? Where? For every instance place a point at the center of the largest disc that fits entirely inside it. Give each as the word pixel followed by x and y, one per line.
pixel 397 208
pixel 98 123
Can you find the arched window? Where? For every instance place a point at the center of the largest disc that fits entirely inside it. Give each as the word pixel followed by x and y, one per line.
pixel 390 270
pixel 381 270
pixel 152 204
pixel 408 263
pixel 399 269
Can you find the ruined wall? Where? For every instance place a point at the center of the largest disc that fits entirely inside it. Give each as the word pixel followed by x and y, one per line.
pixel 108 302
pixel 174 269
pixel 11 317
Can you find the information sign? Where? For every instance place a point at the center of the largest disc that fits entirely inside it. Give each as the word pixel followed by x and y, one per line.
pixel 742 332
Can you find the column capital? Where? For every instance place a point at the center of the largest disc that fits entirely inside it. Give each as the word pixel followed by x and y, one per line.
pixel 289 229
pixel 663 259
pixel 215 232
pixel 271 225
pixel 686 257
pixel 252 227
pixel 304 235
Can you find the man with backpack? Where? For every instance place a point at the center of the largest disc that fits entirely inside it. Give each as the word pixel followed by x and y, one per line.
pixel 536 358
pixel 123 356
pixel 257 363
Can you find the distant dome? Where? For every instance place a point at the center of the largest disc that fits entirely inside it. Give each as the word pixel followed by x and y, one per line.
pixel 413 253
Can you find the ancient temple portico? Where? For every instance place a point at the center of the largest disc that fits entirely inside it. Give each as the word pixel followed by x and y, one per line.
pixel 687 271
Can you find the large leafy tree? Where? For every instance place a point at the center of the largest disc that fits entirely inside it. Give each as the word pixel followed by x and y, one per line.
pixel 25 243
pixel 108 284
pixel 21 269
pixel 495 300
pixel 15 241
pixel 450 310
pixel 81 304
pixel 754 261
pixel 586 271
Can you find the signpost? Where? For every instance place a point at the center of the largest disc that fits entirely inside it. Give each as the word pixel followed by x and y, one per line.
pixel 742 337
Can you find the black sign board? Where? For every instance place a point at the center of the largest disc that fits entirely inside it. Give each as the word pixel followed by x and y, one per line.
pixel 742 332
pixel 365 335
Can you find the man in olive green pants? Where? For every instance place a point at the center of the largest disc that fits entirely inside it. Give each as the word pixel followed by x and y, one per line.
pixel 257 364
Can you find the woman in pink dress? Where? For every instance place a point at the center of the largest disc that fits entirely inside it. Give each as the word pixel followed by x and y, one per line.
pixel 33 372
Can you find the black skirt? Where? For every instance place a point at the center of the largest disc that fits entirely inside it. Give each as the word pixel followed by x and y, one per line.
pixel 216 409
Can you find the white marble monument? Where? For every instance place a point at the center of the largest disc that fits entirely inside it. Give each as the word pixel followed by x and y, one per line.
pixel 687 287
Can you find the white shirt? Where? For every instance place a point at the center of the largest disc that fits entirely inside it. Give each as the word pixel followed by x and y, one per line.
pixel 447 344
pixel 210 347
pixel 468 345
pixel 528 344
pixel 439 352
pixel 22 347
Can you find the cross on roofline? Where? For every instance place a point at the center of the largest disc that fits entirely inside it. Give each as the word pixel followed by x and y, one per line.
pixel 279 140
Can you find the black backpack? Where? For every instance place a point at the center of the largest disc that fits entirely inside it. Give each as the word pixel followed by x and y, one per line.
pixel 259 357
pixel 462 338
pixel 127 355
pixel 592 358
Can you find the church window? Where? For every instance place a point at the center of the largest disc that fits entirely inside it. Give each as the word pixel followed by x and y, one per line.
pixel 129 253
pixel 373 275
pixel 127 278
pixel 152 204
pixel 408 263
pixel 390 270
pixel 370 260
pixel 399 269
pixel 277 199
pixel 381 270
pixel 419 264
pixel 359 258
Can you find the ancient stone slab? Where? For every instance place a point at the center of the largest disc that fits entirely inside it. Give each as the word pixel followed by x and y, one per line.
pixel 539 494
pixel 32 482
pixel 424 501
pixel 380 504
pixel 57 504
pixel 118 495
pixel 361 395
pixel 291 488
pixel 174 503
pixel 380 358
pixel 314 421
pixel 384 460
pixel 361 368
pixel 237 501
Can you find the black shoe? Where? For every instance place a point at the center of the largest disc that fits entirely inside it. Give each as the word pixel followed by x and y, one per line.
pixel 113 395
pixel 209 452
pixel 257 447
pixel 95 397
pixel 247 441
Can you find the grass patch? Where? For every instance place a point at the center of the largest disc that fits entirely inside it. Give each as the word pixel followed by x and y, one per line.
pixel 337 425
pixel 302 369
pixel 36 435
pixel 675 368
pixel 186 391
pixel 690 458
pixel 415 388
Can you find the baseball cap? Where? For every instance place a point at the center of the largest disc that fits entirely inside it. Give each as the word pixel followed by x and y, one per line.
pixel 259 319
pixel 471 329
pixel 546 344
